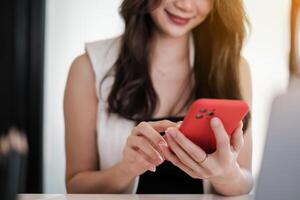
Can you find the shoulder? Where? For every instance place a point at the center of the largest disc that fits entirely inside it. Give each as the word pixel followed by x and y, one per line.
pixel 98 50
pixel 103 54
pixel 104 43
pixel 81 75
pixel 83 63
pixel 245 80
pixel 81 66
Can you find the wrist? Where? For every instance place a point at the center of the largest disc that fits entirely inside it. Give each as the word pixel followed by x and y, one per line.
pixel 230 176
pixel 123 176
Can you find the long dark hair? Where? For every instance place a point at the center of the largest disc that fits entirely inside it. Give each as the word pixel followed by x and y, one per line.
pixel 218 43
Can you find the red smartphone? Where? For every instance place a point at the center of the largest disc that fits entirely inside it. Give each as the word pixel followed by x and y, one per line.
pixel 196 124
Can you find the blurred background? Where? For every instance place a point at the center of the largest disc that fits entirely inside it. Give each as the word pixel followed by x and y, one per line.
pixel 40 38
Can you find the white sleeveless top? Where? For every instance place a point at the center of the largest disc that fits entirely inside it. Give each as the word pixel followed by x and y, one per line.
pixel 112 130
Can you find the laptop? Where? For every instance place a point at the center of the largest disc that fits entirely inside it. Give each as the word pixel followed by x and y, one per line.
pixel 279 177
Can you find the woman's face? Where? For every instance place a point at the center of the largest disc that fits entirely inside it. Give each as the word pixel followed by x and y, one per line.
pixel 176 18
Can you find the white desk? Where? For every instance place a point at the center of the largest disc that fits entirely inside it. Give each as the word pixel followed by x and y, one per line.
pixel 127 197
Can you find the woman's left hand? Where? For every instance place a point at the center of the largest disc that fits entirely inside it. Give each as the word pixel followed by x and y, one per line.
pixel 189 157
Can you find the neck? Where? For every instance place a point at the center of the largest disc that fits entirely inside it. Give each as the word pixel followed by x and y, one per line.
pixel 169 50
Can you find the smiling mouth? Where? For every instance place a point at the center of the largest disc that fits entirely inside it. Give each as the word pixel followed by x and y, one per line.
pixel 177 19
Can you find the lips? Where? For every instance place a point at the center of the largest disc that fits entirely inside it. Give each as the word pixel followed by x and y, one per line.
pixel 181 21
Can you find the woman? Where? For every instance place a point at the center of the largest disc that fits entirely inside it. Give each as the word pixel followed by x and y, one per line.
pixel 124 91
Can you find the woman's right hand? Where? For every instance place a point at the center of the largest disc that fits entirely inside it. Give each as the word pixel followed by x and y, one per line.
pixel 142 151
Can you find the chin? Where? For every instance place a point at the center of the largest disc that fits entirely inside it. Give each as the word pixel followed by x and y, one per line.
pixel 175 33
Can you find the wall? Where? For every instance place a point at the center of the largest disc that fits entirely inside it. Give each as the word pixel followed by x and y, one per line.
pixel 71 23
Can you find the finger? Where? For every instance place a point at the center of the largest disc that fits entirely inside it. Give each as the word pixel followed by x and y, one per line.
pixel 178 124
pixel 194 151
pixel 161 126
pixel 175 161
pixel 145 129
pixel 143 144
pixel 154 162
pixel 222 138
pixel 237 139
pixel 183 156
pixel 207 163
pixel 170 156
pixel 139 162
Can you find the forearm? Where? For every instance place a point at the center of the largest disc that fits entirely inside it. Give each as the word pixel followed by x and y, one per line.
pixel 238 181
pixel 113 180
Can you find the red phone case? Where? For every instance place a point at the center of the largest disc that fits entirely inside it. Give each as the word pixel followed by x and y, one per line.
pixel 196 124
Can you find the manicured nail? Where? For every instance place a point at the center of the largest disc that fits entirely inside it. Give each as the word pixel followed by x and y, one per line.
pixel 152 169
pixel 178 124
pixel 161 159
pixel 163 148
pixel 171 132
pixel 215 122
pixel 163 144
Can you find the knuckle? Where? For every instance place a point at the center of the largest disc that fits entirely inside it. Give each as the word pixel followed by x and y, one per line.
pixel 140 140
pixel 135 130
pixel 142 125
pixel 164 122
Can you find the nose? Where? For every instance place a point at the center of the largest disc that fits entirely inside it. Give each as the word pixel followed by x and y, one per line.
pixel 185 5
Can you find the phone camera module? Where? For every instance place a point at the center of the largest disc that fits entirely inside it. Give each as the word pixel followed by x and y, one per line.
pixel 199 116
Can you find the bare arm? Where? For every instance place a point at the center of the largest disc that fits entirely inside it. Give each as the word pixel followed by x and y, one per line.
pixel 141 152
pixel 80 109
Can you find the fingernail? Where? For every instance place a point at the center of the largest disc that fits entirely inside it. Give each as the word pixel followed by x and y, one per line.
pixel 161 159
pixel 171 132
pixel 215 122
pixel 160 162
pixel 178 124
pixel 152 169
pixel 163 144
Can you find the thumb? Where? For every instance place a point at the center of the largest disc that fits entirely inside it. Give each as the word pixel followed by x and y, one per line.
pixel 222 138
